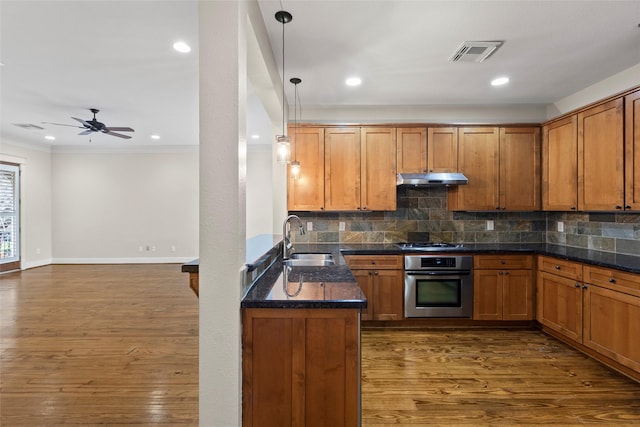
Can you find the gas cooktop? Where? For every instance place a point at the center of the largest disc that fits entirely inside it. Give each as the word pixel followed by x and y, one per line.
pixel 428 246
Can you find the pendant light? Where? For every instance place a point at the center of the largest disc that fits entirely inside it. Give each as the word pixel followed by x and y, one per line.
pixel 283 152
pixel 295 165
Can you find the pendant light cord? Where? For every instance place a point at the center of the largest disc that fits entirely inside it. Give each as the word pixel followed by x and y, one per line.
pixel 284 130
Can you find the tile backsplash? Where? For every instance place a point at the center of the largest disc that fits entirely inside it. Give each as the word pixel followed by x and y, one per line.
pixel 609 232
pixel 422 215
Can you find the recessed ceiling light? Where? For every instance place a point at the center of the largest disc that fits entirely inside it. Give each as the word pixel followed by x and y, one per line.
pixel 154 136
pixel 353 81
pixel 182 47
pixel 500 81
pixel 255 136
pixel 50 137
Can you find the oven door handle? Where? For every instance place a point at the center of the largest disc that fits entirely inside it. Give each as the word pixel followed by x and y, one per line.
pixel 438 273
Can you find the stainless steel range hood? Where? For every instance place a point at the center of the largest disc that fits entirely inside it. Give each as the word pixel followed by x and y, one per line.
pixel 431 179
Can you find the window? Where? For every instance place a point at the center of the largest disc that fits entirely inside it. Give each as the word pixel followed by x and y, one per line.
pixel 9 216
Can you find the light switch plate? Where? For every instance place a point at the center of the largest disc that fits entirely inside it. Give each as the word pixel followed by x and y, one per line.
pixel 560 226
pixel 489 225
pixel 309 226
pixel 341 226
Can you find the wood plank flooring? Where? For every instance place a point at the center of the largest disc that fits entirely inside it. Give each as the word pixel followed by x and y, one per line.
pixel 95 345
pixel 118 345
pixel 488 377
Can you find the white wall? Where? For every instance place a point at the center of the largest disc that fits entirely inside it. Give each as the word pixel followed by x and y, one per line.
pixel 108 205
pixel 617 83
pixel 35 199
pixel 259 190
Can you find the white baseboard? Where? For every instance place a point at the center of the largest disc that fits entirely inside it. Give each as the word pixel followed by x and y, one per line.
pixel 25 265
pixel 159 260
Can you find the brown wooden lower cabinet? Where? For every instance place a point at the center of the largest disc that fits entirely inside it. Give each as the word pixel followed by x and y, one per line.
pixel 599 309
pixel 503 287
pixel 300 367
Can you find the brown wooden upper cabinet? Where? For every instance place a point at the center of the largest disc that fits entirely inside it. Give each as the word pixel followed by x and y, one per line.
pixel 306 192
pixel 632 151
pixel 427 150
pixel 411 153
pixel 560 165
pixel 601 157
pixel 503 168
pixel 343 169
pixel 590 159
pixel 378 169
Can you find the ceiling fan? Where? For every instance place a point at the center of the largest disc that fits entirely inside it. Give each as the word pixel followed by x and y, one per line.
pixel 94 125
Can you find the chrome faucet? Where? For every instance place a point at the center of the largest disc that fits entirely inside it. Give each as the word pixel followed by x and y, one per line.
pixel 286 243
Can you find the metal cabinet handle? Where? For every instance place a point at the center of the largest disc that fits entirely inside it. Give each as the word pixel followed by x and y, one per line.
pixel 557 267
pixel 375 273
pixel 500 273
pixel 627 206
pixel 584 286
pixel 612 280
pixel 573 208
pixel 577 285
pixel 618 207
pixel 503 262
pixel 506 273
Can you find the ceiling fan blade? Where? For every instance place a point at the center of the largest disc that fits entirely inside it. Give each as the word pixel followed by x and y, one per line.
pixel 84 123
pixel 119 135
pixel 120 129
pixel 61 124
pixel 86 132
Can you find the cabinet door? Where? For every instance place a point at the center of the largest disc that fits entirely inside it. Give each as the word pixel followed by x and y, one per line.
pixel 487 295
pixel 342 168
pixel 600 157
pixel 442 149
pixel 517 295
pixel 560 165
pixel 411 156
pixel 478 161
pixel 520 169
pixel 365 281
pixel 378 169
pixel 632 151
pixel 612 325
pixel 560 305
pixel 388 294
pixel 306 192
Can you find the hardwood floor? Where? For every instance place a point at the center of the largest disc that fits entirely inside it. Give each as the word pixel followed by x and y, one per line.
pixel 118 345
pixel 488 377
pixel 89 345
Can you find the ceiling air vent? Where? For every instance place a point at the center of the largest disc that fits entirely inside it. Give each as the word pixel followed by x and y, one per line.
pixel 474 51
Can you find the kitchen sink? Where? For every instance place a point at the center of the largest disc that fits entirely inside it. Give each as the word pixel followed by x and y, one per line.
pixel 309 260
pixel 312 256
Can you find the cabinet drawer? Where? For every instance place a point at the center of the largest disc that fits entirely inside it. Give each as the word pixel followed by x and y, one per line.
pixel 561 267
pixel 503 261
pixel 381 262
pixel 612 279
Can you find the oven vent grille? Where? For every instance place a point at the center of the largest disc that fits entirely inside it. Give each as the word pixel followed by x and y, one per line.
pixel 474 51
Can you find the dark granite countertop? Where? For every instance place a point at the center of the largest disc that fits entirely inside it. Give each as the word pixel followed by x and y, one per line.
pixel 305 287
pixel 335 287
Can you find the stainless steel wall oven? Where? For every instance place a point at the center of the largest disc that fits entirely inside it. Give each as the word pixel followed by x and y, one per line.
pixel 438 285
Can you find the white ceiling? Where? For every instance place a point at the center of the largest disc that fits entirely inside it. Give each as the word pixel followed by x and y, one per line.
pixel 63 57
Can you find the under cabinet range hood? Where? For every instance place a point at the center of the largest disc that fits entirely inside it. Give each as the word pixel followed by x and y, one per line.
pixel 431 179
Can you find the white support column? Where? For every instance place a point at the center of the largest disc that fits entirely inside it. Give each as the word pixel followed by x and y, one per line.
pixel 222 47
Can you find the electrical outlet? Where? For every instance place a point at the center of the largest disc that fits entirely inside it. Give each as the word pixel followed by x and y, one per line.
pixel 341 226
pixel 153 248
pixel 560 226
pixel 309 226
pixel 489 225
